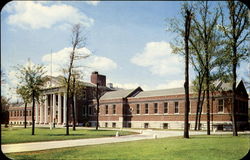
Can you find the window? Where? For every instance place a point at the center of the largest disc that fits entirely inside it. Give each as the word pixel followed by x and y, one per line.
pixel 106 109
pixel 21 113
pixel 220 105
pixel 11 113
pixel 165 125
pixel 165 107
pixel 137 108
pixel 106 124
pixel 155 107
pixel 146 108
pixel 176 107
pixel 114 109
pixel 113 125
pixel 146 125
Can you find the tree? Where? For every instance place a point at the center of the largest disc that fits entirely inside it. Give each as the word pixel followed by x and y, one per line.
pixel 186 84
pixel 31 77
pixel 236 33
pixel 77 42
pixel 23 91
pixel 4 110
pixel 209 37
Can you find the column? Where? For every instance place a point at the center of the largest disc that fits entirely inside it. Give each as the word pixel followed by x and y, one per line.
pixel 41 112
pixel 59 108
pixel 46 110
pixel 37 111
pixel 54 108
pixel 64 108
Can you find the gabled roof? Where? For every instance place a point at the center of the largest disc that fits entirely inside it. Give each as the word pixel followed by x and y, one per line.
pixel 121 94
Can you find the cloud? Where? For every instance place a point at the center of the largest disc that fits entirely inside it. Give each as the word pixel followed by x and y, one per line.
pixel 171 84
pixel 60 59
pixel 158 57
pixel 94 3
pixel 36 15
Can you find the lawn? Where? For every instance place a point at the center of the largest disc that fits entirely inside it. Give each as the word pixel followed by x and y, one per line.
pixel 197 147
pixel 22 135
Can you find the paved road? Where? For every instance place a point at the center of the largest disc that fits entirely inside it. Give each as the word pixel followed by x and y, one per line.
pixel 144 134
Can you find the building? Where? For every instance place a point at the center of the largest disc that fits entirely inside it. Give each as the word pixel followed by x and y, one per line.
pixel 165 108
pixel 134 108
pixel 52 108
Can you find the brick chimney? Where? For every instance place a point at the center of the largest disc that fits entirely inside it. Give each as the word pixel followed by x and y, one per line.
pixel 98 78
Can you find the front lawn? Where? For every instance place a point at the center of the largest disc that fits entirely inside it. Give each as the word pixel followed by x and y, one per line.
pixel 21 135
pixel 176 148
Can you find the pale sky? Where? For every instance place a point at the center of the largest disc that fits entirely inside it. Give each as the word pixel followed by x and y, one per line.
pixel 127 41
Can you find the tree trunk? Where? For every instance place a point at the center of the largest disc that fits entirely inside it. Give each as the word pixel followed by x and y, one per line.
pixel 200 110
pixel 25 115
pixel 33 109
pixel 198 100
pixel 97 107
pixel 186 84
pixel 73 105
pixel 233 94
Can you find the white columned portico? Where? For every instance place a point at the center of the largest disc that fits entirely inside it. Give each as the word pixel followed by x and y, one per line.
pixel 64 107
pixel 37 111
pixel 59 108
pixel 46 110
pixel 41 112
pixel 54 108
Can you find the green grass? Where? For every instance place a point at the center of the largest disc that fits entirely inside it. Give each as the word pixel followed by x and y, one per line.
pixel 214 147
pixel 21 135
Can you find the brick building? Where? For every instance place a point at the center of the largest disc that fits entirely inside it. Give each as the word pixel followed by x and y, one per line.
pixel 165 108
pixel 133 108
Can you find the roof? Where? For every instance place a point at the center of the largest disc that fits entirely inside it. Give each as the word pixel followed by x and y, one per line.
pixel 162 92
pixel 120 93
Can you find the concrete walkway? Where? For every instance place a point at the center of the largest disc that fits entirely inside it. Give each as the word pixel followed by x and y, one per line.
pixel 145 134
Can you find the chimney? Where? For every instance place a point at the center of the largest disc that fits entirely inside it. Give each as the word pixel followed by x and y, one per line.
pixel 98 78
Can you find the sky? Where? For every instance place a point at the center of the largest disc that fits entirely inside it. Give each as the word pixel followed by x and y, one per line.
pixel 127 41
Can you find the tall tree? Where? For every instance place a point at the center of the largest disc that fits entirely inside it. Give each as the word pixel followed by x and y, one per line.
pixel 78 41
pixel 236 31
pixel 205 26
pixel 186 84
pixel 23 91
pixel 31 76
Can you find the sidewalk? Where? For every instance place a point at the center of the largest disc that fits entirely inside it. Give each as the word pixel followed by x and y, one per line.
pixel 145 134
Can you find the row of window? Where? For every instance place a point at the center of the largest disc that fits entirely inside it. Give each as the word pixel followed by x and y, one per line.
pixel 156 108
pixel 19 113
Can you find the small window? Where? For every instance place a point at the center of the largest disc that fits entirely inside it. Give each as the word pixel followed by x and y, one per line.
pixel 165 125
pixel 176 107
pixel 114 109
pixel 165 107
pixel 113 125
pixel 146 108
pixel 155 107
pixel 106 109
pixel 106 124
pixel 220 105
pixel 146 125
pixel 21 113
pixel 17 113
pixel 137 108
